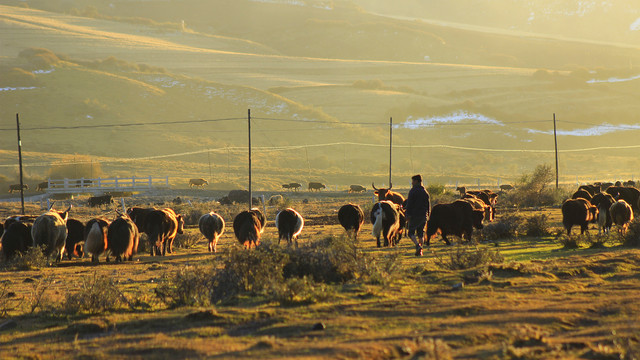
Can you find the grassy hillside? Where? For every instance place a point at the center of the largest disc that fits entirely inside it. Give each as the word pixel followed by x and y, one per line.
pixel 133 63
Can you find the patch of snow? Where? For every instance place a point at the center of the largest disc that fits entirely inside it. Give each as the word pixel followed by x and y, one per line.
pixel 635 26
pixel 43 71
pixel 89 117
pixel 453 118
pixel 318 4
pixel 596 130
pixel 17 88
pixel 532 17
pixel 613 80
pixel 427 58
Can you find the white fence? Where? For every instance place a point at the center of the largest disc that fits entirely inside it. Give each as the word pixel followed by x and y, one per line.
pixel 103 185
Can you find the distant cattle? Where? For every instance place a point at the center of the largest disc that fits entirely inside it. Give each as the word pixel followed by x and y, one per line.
pixel 122 239
pixel 605 186
pixel 357 189
pixel 289 224
pixel 578 212
pixel 198 183
pixel 211 225
pixel 316 186
pixel 16 238
pixel 139 216
pixel 238 197
pixel 388 195
pixel 247 228
pixel 161 227
pixel 506 187
pixel 457 218
pixel 603 202
pixel 582 194
pixel 100 200
pixel 74 244
pixel 95 235
pixel 81 183
pixel 42 186
pixel 292 186
pixel 386 222
pixel 351 217
pixel 621 214
pixel 50 230
pixel 16 187
pixel 628 194
pixel 629 183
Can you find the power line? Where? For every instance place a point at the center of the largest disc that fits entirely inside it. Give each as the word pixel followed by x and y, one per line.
pixel 95 126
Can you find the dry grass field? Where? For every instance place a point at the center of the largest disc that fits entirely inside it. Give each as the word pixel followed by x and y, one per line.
pixel 537 300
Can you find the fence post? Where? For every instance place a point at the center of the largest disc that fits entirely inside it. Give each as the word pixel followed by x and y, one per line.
pixel 133 182
pixel 116 183
pixel 124 207
pixel 167 183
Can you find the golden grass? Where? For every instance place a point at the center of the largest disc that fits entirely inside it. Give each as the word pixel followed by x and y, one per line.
pixel 542 302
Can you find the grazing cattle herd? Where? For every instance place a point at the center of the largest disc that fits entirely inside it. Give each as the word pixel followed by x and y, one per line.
pixel 604 204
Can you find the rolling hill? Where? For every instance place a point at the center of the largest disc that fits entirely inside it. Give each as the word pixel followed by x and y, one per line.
pixel 323 73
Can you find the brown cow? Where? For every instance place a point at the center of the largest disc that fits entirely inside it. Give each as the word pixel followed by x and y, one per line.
pixel 351 217
pixel 582 194
pixel 578 212
pixel 122 238
pixel 161 227
pixel 316 186
pixel 198 182
pixel 621 214
pixel 42 186
pixel 50 230
pixel 16 187
pixel 388 195
pixel 457 218
pixel 74 243
pixel 247 229
pixel 628 194
pixel 139 216
pixel 211 225
pixel 289 224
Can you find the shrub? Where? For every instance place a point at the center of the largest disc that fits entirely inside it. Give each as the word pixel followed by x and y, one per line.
pixel 75 167
pixel 187 240
pixel 464 257
pixel 436 189
pixel 632 237
pixel 39 57
pixel 96 295
pixel 537 226
pixel 301 291
pixel 534 189
pixel 570 241
pixel 189 286
pixel 507 227
pixel 270 270
pixel 32 259
pixel 255 271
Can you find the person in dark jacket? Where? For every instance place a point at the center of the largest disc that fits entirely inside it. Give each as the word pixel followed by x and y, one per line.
pixel 417 211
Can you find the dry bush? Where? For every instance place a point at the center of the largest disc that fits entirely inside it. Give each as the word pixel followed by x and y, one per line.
pixel 465 257
pixel 76 167
pixel 18 77
pixel 507 227
pixel 571 241
pixel 189 286
pixel 97 294
pixel 535 189
pixel 187 240
pixel 301 291
pixel 32 259
pixel 632 237
pixel 537 226
pixel 269 269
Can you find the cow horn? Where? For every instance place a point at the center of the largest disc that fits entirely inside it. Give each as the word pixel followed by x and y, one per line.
pixel 118 212
pixel 374 187
pixel 51 205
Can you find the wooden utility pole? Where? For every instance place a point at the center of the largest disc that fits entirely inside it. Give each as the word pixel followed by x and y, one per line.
pixel 20 162
pixel 390 147
pixel 249 130
pixel 555 139
pixel 209 159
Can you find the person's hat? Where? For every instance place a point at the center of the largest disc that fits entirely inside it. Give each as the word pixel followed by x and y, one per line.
pixel 417 177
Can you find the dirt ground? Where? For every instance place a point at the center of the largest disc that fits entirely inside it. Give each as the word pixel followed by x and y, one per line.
pixel 542 302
